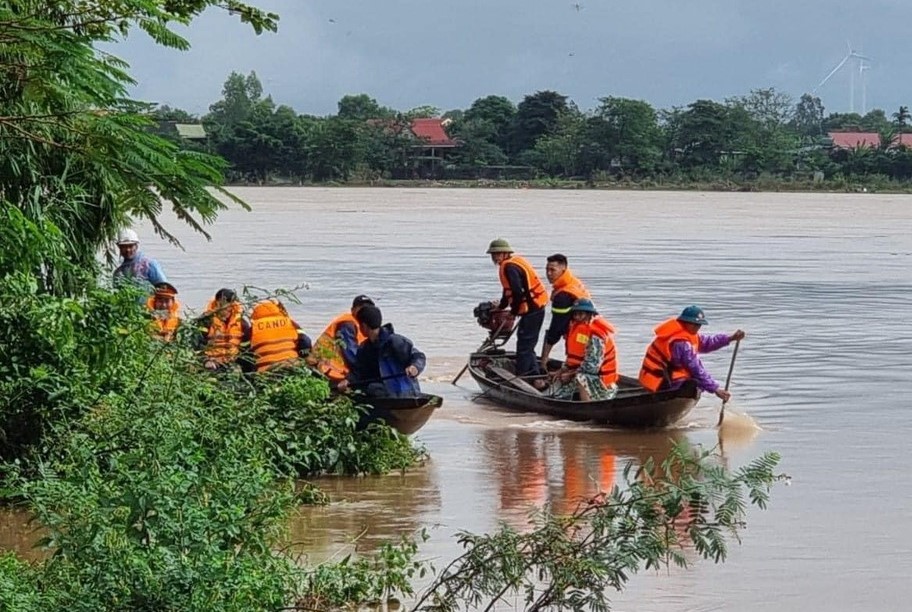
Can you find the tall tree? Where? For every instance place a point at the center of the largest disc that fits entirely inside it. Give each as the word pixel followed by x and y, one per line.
pixel 808 117
pixel 628 130
pixel 536 115
pixel 240 95
pixel 74 150
pixel 702 133
pixel 901 118
pixel 766 142
pixel 483 130
pixel 362 107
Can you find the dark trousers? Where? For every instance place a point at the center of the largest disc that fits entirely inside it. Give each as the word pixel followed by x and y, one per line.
pixel 526 338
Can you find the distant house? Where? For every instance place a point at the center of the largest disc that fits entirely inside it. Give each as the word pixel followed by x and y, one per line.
pixel 431 144
pixel 865 140
pixel 184 131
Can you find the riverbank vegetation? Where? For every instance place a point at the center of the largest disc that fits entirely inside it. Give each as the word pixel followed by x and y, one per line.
pixel 161 486
pixel 763 140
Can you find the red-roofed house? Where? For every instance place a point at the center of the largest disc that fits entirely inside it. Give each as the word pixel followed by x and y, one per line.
pixel 855 140
pixel 433 131
pixel 865 140
pixel 433 146
pixel 430 145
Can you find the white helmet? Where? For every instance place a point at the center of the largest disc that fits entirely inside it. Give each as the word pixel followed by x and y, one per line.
pixel 127 236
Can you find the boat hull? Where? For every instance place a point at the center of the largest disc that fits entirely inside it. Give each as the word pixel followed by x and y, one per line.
pixel 404 414
pixel 634 407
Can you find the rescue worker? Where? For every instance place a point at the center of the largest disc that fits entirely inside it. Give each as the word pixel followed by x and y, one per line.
pixel 673 356
pixel 275 339
pixel 136 267
pixel 591 366
pixel 164 307
pixel 525 296
pixel 387 363
pixel 335 350
pixel 566 288
pixel 224 329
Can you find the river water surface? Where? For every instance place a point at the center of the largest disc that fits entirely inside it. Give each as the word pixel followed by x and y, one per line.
pixel 821 283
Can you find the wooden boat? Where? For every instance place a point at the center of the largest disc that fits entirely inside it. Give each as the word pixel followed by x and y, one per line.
pixel 404 414
pixel 633 407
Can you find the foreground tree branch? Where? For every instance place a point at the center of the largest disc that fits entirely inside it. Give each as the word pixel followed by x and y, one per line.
pixel 685 510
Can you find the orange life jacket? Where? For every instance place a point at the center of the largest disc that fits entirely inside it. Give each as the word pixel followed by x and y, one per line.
pixel 568 283
pixel 657 366
pixel 537 294
pixel 273 336
pixel 327 352
pixel 166 325
pixel 223 339
pixel 578 338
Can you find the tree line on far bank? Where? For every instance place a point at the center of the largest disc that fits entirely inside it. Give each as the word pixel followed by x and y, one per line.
pixel 764 134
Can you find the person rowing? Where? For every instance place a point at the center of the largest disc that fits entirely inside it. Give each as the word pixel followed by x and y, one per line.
pixel 673 357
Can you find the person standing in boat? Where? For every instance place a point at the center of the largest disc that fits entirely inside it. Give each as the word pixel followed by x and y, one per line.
pixel 526 297
pixel 387 364
pixel 136 267
pixel 335 350
pixel 566 288
pixel 165 309
pixel 223 329
pixel 673 357
pixel 591 367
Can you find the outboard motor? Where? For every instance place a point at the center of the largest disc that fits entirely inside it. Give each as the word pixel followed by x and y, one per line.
pixel 498 322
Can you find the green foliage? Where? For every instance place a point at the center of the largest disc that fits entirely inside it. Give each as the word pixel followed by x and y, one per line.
pixel 74 151
pixel 390 572
pixel 161 485
pixel 685 509
pixel 311 434
pixel 160 503
pixel 536 115
pixel 362 107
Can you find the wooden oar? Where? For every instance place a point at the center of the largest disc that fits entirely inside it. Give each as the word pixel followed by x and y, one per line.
pixel 517 381
pixel 728 379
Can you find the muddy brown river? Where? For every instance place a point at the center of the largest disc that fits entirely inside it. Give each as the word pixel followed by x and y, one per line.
pixel 822 284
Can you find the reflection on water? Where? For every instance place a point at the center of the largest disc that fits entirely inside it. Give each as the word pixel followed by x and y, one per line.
pixel 563 469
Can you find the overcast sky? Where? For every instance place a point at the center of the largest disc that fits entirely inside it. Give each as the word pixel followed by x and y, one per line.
pixel 447 53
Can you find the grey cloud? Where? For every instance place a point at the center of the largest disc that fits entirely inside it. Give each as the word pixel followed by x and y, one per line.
pixel 446 53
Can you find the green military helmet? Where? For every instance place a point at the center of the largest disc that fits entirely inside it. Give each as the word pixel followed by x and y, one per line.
pixel 499 245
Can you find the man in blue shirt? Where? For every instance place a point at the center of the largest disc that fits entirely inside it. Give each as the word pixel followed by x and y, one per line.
pixel 136 267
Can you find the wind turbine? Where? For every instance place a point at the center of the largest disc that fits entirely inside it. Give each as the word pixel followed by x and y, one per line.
pixel 862 67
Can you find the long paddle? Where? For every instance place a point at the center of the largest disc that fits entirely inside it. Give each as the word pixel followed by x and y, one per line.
pixel 728 379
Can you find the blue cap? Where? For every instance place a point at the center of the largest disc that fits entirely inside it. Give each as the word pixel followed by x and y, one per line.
pixel 583 305
pixel 693 314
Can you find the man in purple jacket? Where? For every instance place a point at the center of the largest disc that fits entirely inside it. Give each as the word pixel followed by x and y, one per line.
pixel 673 357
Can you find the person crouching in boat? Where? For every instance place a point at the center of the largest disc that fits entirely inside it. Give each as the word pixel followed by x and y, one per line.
pixel 275 339
pixel 335 350
pixel 387 364
pixel 673 357
pixel 224 328
pixel 164 307
pixel 591 367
